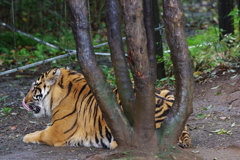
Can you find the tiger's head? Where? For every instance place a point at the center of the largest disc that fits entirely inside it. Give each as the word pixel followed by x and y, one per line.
pixel 37 99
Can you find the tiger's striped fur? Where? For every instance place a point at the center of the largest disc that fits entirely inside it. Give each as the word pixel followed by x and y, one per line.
pixel 184 140
pixel 76 116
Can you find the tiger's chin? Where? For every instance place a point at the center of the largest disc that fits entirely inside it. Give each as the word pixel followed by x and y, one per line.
pixel 42 113
pixel 39 115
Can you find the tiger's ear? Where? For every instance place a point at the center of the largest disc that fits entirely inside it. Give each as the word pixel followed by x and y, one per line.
pixel 52 77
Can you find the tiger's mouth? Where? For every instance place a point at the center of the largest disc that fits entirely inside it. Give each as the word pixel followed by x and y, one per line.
pixel 25 105
pixel 32 107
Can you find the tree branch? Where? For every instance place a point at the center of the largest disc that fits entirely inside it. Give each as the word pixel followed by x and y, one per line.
pixel 150 32
pixel 124 85
pixel 174 25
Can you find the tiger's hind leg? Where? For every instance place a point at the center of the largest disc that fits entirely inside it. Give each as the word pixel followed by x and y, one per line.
pixel 185 140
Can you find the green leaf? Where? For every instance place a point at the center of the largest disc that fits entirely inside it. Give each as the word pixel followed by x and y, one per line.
pixel 218 93
pixel 201 115
pixel 6 110
pixel 222 131
pixel 218 130
pixel 234 76
pixel 215 87
pixel 207 108
pixel 32 122
pixel 195 151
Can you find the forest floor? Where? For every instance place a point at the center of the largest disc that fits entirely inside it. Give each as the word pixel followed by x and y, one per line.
pixel 214 124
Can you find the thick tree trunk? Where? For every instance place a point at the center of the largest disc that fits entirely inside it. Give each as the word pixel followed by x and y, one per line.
pixel 93 73
pixel 123 81
pixel 142 63
pixel 174 25
pixel 142 72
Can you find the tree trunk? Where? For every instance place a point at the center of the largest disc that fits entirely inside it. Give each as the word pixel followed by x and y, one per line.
pixel 144 123
pixel 225 21
pixel 174 26
pixel 93 73
pixel 142 63
pixel 158 40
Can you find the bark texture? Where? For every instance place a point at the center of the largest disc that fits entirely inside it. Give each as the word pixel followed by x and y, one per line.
pixel 140 65
pixel 174 26
pixel 150 33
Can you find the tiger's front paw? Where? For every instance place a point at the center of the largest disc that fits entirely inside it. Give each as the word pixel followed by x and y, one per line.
pixel 32 137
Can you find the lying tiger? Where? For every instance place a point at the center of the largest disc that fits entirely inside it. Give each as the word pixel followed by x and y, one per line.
pixel 76 117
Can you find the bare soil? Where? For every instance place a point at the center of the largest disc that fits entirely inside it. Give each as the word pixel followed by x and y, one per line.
pixel 216 108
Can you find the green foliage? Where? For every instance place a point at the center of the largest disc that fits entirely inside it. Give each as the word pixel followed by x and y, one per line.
pixel 96 41
pixel 200 116
pixel 207 52
pixel 170 81
pixel 168 65
pixel 48 21
pixel 222 131
pixel 10 40
pixel 236 19
pixel 204 49
pixel 109 73
pixel 5 111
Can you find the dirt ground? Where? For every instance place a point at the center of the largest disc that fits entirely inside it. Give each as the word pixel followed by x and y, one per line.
pixel 214 124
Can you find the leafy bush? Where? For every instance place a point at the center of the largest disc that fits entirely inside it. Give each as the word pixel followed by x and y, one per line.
pixel 207 52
